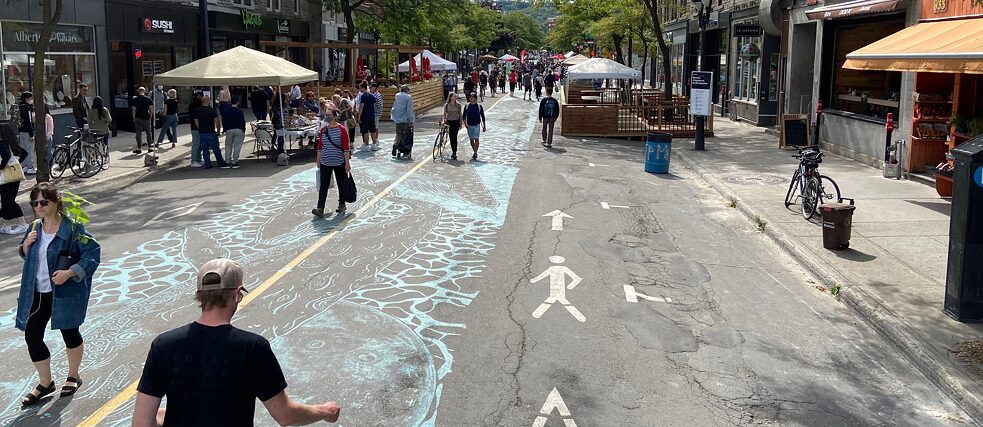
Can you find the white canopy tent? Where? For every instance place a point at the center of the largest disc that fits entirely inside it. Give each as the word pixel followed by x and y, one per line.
pixel 602 68
pixel 568 54
pixel 575 60
pixel 239 66
pixel 436 63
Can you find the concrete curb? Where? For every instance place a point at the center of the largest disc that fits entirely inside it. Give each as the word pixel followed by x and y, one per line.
pixel 865 305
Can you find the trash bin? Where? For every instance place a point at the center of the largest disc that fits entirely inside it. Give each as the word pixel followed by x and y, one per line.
pixel 658 148
pixel 837 224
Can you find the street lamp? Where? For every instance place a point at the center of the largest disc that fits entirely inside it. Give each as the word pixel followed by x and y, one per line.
pixel 703 17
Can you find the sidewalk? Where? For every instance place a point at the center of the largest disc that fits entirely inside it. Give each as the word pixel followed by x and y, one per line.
pixel 893 274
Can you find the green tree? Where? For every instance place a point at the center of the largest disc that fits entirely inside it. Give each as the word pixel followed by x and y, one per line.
pixel 527 33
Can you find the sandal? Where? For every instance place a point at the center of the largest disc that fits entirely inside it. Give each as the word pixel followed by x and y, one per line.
pixel 37 394
pixel 68 390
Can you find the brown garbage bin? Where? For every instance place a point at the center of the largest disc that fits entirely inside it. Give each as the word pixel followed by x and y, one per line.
pixel 837 224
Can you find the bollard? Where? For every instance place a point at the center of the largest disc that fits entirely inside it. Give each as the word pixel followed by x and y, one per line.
pixel 890 152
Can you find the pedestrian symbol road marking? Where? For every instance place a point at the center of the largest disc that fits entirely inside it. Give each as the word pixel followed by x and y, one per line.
pixel 605 205
pixel 558 216
pixel 632 295
pixel 174 213
pixel 558 291
pixel 554 401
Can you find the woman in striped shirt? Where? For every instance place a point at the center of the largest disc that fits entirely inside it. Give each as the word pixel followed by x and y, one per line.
pixel 335 156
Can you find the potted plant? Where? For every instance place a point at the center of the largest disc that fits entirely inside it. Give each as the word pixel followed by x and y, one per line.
pixel 943 176
pixel 975 126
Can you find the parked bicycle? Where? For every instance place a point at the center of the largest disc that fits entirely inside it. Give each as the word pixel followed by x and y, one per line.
pixel 83 152
pixel 440 141
pixel 809 185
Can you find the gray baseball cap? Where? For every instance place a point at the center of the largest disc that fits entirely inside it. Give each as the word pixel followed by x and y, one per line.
pixel 228 271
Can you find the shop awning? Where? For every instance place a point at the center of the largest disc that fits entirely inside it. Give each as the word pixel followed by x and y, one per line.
pixel 852 8
pixel 936 47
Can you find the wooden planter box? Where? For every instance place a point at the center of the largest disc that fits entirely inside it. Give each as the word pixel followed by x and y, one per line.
pixel 943 185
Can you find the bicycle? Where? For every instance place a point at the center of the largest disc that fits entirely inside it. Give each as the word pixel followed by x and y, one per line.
pixel 94 138
pixel 81 152
pixel 440 141
pixel 809 185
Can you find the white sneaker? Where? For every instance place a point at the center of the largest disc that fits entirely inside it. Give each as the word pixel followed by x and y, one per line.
pixel 5 230
pixel 19 229
pixel 197 165
pixel 375 147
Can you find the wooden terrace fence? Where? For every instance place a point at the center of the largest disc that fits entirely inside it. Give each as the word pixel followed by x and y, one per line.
pixel 643 111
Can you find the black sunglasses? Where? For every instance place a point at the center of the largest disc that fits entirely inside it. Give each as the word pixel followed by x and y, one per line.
pixel 35 203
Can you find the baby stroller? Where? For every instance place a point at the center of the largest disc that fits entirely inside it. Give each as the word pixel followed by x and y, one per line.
pixel 404 148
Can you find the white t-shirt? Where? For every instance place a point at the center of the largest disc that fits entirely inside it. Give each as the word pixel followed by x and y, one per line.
pixel 44 276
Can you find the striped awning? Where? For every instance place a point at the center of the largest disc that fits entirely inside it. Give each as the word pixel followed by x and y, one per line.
pixel 852 8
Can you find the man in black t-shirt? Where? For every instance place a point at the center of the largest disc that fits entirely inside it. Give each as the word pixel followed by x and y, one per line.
pixel 141 106
pixel 212 373
pixel 259 100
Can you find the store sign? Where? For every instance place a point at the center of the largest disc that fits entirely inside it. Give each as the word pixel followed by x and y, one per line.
pixel 23 37
pixel 250 19
pixel 283 26
pixel 157 26
pixel 750 52
pixel 746 30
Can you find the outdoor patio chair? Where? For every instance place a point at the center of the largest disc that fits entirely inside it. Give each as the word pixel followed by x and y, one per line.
pixel 263 144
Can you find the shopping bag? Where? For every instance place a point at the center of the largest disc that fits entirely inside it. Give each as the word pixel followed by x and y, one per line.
pixel 349 193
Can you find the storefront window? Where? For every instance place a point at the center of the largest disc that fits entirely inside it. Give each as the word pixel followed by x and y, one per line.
pixel 748 53
pixel 71 61
pixel 678 61
pixel 863 92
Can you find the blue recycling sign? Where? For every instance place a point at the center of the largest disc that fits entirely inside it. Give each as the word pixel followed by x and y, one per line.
pixel 978 176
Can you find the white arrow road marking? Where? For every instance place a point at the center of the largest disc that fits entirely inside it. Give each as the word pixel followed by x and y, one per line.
pixel 554 401
pixel 632 295
pixel 605 205
pixel 558 216
pixel 595 164
pixel 558 288
pixel 182 211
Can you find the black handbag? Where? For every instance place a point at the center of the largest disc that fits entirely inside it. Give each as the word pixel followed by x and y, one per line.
pixel 67 260
pixel 349 193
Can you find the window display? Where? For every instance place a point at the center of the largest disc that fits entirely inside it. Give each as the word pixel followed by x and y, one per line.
pixel 71 60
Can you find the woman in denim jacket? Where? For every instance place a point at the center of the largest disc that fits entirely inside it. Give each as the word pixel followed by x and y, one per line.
pixel 47 293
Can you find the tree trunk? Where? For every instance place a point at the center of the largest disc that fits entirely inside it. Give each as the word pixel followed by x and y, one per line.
pixel 349 11
pixel 663 47
pixel 40 129
pixel 618 54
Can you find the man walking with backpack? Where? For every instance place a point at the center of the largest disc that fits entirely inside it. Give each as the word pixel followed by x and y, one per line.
pixel 549 111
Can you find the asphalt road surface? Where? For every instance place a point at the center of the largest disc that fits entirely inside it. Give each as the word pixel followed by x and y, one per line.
pixel 535 287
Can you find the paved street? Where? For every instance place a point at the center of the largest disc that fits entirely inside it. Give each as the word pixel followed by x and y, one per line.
pixel 534 287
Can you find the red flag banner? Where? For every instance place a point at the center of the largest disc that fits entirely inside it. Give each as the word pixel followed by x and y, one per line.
pixel 523 56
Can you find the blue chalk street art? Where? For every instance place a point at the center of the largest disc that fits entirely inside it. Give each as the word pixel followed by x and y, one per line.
pixel 377 340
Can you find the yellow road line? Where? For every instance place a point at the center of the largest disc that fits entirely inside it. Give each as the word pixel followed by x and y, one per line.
pixel 131 390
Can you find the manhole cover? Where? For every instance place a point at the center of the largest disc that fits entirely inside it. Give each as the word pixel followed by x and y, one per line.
pixel 756 179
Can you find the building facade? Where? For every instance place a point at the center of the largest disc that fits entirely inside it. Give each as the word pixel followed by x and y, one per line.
pixel 76 54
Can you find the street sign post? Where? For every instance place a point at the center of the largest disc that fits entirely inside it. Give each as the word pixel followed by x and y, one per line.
pixel 701 85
